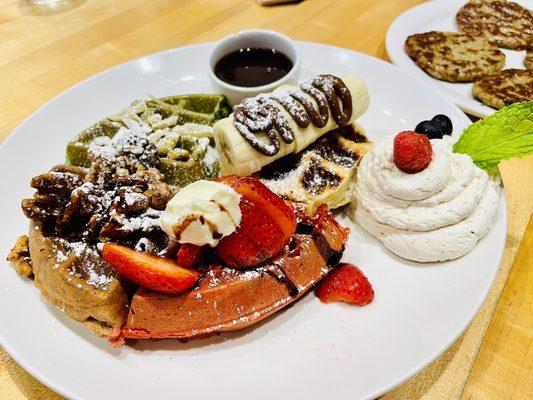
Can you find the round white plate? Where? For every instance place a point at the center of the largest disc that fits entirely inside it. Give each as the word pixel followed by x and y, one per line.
pixel 439 15
pixel 310 350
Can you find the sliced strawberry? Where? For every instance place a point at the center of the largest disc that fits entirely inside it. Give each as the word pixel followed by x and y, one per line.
pixel 228 179
pixel 148 271
pixel 257 239
pixel 275 206
pixel 347 284
pixel 191 255
pixel 267 223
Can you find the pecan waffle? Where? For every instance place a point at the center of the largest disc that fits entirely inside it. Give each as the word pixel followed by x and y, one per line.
pixel 72 211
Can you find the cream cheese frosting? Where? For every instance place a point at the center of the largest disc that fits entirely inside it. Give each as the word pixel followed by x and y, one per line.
pixel 437 214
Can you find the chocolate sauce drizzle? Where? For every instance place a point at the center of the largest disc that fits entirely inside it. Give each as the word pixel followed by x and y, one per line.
pixel 277 272
pixel 259 121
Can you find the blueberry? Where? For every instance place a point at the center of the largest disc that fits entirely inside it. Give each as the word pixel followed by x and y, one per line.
pixel 432 129
pixel 444 122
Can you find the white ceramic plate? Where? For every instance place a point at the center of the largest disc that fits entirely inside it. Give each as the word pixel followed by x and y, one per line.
pixel 439 15
pixel 310 350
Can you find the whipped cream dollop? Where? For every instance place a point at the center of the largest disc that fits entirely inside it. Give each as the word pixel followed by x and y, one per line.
pixel 202 213
pixel 437 214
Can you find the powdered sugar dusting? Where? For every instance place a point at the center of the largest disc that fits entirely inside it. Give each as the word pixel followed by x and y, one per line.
pixel 216 277
pixel 260 119
pixel 193 129
pixel 85 263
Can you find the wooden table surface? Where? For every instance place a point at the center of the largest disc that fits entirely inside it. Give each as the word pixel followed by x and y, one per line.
pixel 44 52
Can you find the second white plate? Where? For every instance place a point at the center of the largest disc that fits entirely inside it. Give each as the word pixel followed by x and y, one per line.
pixel 439 15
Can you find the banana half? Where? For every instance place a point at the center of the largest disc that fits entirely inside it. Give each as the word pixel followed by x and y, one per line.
pixel 238 157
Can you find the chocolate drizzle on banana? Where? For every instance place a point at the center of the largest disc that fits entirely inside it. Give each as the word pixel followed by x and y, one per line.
pixel 261 123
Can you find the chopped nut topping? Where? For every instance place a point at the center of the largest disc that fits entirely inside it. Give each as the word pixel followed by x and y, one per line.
pixel 20 257
pixel 104 203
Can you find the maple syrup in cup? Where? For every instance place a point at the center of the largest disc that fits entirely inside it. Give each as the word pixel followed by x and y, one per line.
pixel 252 62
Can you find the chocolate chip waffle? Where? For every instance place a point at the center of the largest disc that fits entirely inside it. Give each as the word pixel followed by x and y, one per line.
pixel 323 173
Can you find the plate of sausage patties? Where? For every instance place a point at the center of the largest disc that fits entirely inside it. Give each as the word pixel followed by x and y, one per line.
pixel 304 242
pixel 478 53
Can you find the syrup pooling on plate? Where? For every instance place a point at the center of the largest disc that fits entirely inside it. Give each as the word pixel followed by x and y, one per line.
pixel 259 115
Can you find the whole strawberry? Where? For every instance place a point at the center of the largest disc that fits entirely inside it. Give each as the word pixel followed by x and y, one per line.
pixel 347 284
pixel 412 151
pixel 257 239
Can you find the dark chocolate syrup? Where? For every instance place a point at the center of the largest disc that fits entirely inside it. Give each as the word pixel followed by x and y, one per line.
pixel 250 67
pixel 277 272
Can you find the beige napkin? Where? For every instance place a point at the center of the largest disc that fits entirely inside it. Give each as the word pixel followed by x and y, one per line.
pixel 17 384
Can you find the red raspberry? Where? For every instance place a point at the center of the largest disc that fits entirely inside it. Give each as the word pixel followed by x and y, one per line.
pixel 347 284
pixel 412 151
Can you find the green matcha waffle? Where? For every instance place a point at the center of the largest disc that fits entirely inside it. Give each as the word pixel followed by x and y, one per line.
pixel 179 126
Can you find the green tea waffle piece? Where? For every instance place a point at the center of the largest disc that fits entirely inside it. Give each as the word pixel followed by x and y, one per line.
pixel 182 173
pixel 180 127
pixel 77 149
pixel 187 153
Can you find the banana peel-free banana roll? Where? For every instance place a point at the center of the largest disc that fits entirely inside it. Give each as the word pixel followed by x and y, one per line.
pixel 269 126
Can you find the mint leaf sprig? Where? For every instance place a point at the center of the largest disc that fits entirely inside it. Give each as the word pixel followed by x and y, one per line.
pixel 508 133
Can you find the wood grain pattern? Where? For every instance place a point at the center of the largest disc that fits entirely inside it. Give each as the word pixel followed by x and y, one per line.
pixel 504 364
pixel 42 53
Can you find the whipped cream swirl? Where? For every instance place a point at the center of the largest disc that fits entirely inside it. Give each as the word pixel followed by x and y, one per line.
pixel 437 214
